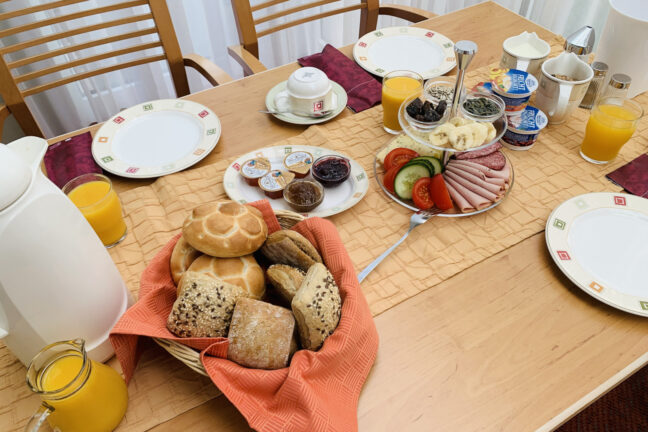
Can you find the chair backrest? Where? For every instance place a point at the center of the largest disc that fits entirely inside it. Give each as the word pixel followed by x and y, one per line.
pixel 247 23
pixel 14 95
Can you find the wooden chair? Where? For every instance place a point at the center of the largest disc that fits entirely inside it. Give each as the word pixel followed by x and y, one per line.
pixel 247 54
pixel 14 96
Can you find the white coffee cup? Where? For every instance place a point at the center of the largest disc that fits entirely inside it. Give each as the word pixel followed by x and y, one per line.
pixel 558 97
pixel 525 52
pixel 309 91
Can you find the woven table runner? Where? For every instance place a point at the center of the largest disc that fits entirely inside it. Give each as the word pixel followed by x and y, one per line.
pixel 545 176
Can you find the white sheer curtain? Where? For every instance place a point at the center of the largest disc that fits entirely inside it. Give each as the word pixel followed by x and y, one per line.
pixel 207 27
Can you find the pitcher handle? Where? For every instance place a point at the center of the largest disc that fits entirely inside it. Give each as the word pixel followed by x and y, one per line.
pixel 564 92
pixel 39 417
pixel 522 65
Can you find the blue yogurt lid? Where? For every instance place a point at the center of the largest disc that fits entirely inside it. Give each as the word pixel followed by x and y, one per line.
pixel 529 120
pixel 512 82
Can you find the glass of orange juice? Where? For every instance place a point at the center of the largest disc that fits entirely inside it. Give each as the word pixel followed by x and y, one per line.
pixel 396 87
pixel 78 394
pixel 93 194
pixel 611 124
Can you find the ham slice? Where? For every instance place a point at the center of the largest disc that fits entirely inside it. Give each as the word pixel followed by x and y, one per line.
pixel 477 173
pixel 461 203
pixel 479 153
pixel 504 173
pixel 475 180
pixel 476 201
pixel 478 189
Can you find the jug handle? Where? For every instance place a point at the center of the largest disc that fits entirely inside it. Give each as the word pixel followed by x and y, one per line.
pixel 564 91
pixel 39 417
pixel 522 65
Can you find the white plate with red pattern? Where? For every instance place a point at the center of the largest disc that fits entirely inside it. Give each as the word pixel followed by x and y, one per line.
pixel 600 241
pixel 156 138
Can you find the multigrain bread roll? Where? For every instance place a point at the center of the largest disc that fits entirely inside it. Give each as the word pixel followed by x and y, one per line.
pixel 225 229
pixel 181 258
pixel 243 272
pixel 317 307
pixel 285 280
pixel 290 248
pixel 204 307
pixel 261 335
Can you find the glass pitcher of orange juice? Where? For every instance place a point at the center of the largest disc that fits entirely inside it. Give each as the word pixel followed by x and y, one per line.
pixel 78 394
pixel 398 86
pixel 611 124
pixel 94 195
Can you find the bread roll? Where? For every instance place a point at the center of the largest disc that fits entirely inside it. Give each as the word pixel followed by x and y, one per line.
pixel 317 307
pixel 243 272
pixel 285 280
pixel 225 229
pixel 261 335
pixel 290 248
pixel 181 258
pixel 204 308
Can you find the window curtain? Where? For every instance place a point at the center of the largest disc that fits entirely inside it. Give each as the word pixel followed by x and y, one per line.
pixel 207 27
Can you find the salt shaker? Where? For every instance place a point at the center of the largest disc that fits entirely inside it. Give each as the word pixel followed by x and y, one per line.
pixel 581 42
pixel 618 86
pixel 595 86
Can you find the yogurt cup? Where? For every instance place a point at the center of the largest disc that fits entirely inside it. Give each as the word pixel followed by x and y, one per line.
pixel 523 128
pixel 514 87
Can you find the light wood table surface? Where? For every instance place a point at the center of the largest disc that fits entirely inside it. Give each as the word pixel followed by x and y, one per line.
pixel 509 344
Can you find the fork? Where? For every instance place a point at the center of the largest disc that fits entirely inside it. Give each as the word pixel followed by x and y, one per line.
pixel 418 218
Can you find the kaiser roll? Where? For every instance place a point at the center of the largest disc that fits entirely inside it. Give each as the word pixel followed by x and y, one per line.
pixel 225 229
pixel 181 258
pixel 243 272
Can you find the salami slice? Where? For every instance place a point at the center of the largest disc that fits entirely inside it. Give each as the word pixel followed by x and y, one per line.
pixel 479 153
pixel 494 161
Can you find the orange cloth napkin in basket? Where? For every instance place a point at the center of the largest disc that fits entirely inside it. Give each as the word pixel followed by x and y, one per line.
pixel 319 390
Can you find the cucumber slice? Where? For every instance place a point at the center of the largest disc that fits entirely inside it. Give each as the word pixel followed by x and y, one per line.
pixel 423 162
pixel 436 163
pixel 407 176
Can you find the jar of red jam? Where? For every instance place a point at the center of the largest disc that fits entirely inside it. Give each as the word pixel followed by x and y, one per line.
pixel 331 170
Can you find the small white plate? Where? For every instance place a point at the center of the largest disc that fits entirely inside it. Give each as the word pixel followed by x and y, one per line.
pixel 336 199
pixel 426 52
pixel 600 241
pixel 156 138
pixel 339 101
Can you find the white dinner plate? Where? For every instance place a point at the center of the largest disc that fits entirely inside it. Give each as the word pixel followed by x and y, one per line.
pixel 278 93
pixel 600 241
pixel 336 199
pixel 426 52
pixel 156 138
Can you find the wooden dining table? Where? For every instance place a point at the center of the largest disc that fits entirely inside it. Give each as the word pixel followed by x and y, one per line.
pixel 460 355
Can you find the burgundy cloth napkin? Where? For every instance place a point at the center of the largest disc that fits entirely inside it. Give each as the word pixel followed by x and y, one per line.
pixel 633 176
pixel 363 89
pixel 70 158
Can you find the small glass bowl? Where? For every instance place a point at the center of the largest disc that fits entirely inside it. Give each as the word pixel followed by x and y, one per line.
pixel 303 207
pixel 330 182
pixel 421 125
pixel 491 97
pixel 444 82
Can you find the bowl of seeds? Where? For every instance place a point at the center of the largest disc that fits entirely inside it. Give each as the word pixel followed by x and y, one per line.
pixel 485 107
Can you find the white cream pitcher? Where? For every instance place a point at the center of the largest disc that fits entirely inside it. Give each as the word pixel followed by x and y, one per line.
pixel 562 86
pixel 57 281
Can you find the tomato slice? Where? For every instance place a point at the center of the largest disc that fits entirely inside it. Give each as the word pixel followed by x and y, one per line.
pixel 399 157
pixel 421 193
pixel 390 176
pixel 439 193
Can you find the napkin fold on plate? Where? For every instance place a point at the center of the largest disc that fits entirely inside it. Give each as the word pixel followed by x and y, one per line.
pixel 633 176
pixel 363 90
pixel 70 158
pixel 319 390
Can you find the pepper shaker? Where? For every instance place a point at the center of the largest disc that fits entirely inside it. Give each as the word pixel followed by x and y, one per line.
pixel 465 50
pixel 617 87
pixel 595 86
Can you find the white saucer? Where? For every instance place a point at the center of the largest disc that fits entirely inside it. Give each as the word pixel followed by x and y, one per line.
pixel 339 101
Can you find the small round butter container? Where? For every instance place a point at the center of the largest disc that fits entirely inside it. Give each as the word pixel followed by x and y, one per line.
pixel 514 87
pixel 523 128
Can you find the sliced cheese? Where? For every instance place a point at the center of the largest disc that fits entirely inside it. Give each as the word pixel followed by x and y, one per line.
pixel 407 142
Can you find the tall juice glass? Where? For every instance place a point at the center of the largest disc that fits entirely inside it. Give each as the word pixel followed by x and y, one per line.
pixel 398 86
pixel 78 394
pixel 94 196
pixel 611 124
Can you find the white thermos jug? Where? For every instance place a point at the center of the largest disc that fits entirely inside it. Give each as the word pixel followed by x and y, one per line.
pixel 57 281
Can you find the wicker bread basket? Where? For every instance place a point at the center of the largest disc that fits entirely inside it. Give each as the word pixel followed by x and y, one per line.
pixel 190 356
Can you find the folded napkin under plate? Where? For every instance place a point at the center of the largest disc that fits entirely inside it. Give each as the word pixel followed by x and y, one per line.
pixel 70 158
pixel 633 176
pixel 319 390
pixel 363 90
